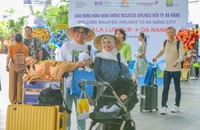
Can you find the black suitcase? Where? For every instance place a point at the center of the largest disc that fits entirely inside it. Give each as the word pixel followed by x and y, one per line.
pixel 149 98
pixel 149 93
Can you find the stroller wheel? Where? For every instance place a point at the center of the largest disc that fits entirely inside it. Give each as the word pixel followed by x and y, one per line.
pixel 129 126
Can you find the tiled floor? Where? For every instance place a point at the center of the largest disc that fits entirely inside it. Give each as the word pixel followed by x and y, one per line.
pixel 187 119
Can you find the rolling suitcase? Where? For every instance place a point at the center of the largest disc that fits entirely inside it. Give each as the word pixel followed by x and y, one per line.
pixel 149 101
pixel 29 117
pixel 149 92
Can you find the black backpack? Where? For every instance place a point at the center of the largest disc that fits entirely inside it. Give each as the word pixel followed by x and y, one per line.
pixel 177 44
pixel 46 54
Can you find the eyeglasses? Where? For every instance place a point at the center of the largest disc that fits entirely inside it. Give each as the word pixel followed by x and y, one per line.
pixel 82 33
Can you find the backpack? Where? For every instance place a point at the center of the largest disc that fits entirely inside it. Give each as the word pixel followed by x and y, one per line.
pixel 45 53
pixel 19 60
pixel 177 44
pixel 177 47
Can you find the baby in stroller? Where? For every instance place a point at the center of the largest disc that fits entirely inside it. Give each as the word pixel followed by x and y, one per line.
pixel 114 106
pixel 122 92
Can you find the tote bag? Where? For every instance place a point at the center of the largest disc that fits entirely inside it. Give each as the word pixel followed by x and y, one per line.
pixel 79 75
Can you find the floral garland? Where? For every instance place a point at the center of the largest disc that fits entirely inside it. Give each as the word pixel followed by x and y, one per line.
pixel 188 38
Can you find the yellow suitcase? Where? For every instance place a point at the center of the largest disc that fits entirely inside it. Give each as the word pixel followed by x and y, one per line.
pixel 29 117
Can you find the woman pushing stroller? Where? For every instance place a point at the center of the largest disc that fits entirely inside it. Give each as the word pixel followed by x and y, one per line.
pixel 110 65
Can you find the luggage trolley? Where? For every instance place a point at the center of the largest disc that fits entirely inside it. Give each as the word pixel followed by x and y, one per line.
pixel 32 90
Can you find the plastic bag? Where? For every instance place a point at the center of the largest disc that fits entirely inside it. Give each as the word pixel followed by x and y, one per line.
pixel 82 108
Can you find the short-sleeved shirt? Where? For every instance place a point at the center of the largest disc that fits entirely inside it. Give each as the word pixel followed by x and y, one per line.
pixel 69 52
pixel 126 51
pixel 34 45
pixel 172 54
pixel 13 51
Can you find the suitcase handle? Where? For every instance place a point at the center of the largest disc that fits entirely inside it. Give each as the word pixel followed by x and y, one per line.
pixel 155 72
pixel 154 63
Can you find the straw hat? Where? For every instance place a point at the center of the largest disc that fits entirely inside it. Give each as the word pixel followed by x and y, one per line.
pixel 97 41
pixel 90 36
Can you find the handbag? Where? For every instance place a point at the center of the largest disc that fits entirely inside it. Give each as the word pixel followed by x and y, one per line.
pixel 79 75
pixel 50 96
pixel 82 107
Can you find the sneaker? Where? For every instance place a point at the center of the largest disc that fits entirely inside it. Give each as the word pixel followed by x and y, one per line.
pixel 175 109
pixel 163 111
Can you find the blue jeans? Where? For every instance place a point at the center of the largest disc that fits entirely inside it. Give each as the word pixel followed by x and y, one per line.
pixel 81 124
pixel 167 80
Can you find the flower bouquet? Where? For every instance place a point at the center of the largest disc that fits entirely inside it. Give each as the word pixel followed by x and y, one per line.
pixel 188 38
pixel 41 33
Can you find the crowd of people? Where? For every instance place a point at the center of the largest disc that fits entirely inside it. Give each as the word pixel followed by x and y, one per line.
pixel 110 62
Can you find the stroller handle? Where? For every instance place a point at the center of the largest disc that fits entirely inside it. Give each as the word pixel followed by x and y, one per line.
pixel 105 84
pixel 95 83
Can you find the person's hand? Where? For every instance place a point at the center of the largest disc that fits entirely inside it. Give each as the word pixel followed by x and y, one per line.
pixel 87 62
pixel 79 64
pixel 175 63
pixel 137 56
pixel 134 79
pixel 7 68
pixel 154 59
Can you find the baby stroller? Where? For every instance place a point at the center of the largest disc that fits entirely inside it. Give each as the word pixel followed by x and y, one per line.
pixel 116 119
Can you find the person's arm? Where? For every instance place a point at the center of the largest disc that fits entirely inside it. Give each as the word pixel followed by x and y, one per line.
pixel 129 53
pixel 40 54
pixel 181 55
pixel 97 63
pixel 87 62
pixel 8 59
pixel 39 49
pixel 91 61
pixel 126 73
pixel 141 54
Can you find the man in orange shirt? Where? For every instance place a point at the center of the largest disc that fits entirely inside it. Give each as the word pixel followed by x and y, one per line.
pixel 15 78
